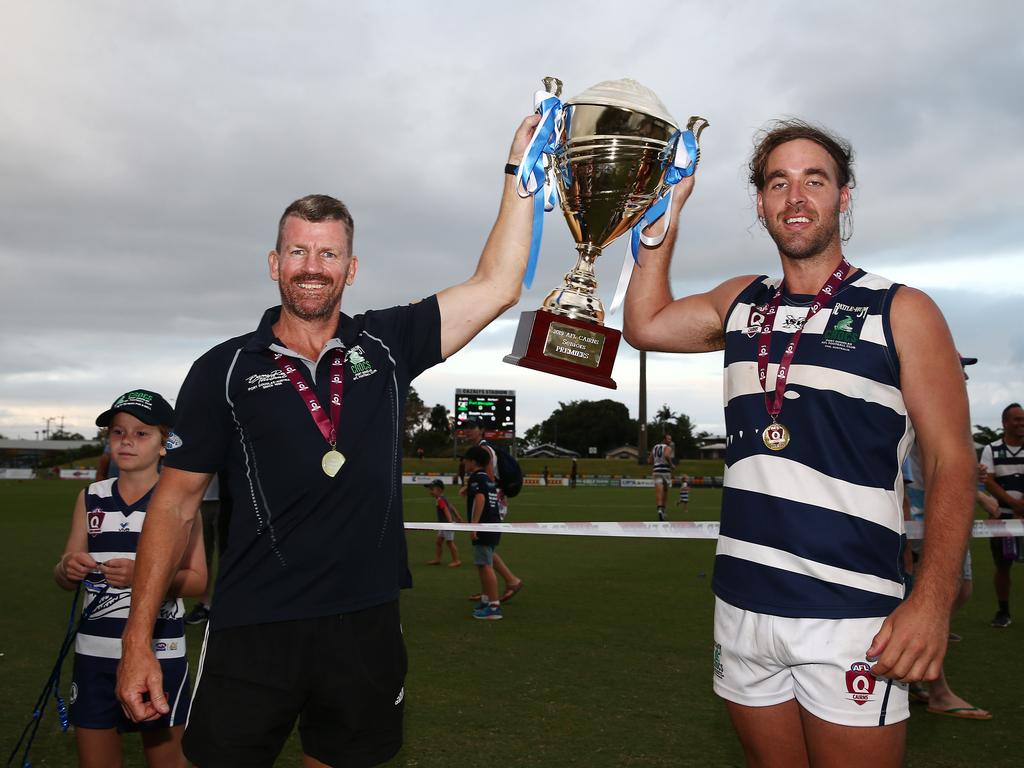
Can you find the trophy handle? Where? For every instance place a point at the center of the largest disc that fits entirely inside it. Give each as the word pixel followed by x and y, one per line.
pixel 553 85
pixel 696 126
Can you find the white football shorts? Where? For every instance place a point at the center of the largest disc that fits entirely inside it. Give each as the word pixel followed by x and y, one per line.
pixel 761 660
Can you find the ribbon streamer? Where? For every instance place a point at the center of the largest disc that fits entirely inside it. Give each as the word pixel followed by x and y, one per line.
pixel 684 164
pixel 534 175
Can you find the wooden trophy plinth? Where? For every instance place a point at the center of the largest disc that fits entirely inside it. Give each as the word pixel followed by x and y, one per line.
pixel 575 349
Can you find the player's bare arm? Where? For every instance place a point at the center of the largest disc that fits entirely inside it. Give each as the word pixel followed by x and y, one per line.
pixel 653 320
pixel 162 545
pixel 912 641
pixel 495 285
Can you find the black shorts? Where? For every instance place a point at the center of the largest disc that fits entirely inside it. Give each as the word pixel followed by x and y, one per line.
pixel 1005 552
pixel 341 676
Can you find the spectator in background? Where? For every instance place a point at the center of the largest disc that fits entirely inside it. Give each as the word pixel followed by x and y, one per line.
pixel 475 433
pixel 937 694
pixel 684 494
pixel 1004 463
pixel 663 457
pixel 446 513
pixel 482 507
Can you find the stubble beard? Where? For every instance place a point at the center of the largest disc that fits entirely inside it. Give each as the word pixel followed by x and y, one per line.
pixel 293 301
pixel 800 246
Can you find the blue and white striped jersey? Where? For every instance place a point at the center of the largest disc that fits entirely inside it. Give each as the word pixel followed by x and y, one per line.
pixel 662 455
pixel 1005 465
pixel 113 528
pixel 815 530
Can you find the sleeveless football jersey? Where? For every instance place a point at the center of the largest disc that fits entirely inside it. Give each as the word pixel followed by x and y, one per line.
pixel 113 529
pixel 660 454
pixel 815 530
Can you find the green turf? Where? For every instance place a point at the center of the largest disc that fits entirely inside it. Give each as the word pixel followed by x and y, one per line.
pixel 604 658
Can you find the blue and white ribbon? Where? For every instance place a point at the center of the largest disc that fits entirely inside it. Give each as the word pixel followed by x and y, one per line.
pixel 535 174
pixel 684 164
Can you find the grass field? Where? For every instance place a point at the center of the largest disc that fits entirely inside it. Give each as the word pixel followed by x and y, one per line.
pixel 602 660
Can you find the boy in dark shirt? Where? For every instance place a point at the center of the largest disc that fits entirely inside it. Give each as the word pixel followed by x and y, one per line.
pixel 482 507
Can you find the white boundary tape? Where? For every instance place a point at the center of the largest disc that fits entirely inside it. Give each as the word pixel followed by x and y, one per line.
pixel 982 529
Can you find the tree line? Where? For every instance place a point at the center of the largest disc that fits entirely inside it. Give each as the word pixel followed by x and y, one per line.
pixel 578 425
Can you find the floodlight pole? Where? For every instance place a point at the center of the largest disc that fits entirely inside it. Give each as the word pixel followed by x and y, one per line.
pixel 641 440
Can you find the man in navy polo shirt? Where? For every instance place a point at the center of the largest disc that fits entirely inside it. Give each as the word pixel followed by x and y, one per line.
pixel 305 414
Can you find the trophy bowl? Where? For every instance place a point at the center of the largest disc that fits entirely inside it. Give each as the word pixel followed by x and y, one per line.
pixel 613 150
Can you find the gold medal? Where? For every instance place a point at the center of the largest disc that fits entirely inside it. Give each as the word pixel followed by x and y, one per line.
pixel 775 436
pixel 332 462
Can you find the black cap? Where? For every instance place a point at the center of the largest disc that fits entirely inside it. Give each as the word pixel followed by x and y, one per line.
pixel 481 456
pixel 472 424
pixel 148 407
pixel 437 483
pixel 967 360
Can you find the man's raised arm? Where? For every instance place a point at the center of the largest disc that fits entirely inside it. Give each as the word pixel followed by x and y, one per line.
pixel 468 307
pixel 653 320
pixel 162 544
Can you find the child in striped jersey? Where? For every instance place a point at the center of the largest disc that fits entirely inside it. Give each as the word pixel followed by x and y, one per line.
pixel 100 552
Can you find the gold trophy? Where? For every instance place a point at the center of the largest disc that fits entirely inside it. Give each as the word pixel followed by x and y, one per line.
pixel 615 145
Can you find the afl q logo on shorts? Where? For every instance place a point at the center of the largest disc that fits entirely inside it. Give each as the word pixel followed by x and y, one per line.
pixel 860 683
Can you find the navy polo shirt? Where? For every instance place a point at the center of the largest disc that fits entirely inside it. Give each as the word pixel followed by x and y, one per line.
pixel 302 544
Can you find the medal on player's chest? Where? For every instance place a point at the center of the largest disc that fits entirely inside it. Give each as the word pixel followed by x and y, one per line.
pixel 332 461
pixel 776 436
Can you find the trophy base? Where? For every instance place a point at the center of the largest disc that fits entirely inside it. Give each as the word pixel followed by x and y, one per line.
pixel 565 347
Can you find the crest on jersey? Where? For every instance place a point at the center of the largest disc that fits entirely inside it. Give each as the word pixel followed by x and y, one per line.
pixel 844 326
pixel 860 683
pixel 94 521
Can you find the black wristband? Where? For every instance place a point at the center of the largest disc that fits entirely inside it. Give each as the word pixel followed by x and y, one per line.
pixel 511 170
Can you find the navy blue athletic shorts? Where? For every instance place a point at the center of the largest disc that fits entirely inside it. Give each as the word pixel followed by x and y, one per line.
pixel 94 705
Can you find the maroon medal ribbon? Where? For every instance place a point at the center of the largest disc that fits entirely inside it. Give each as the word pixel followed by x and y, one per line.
pixel 773 400
pixel 328 426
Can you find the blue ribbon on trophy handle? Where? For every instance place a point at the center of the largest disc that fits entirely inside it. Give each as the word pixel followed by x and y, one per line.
pixel 534 176
pixel 685 157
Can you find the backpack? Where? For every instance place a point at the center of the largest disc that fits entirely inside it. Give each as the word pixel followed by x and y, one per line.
pixel 509 475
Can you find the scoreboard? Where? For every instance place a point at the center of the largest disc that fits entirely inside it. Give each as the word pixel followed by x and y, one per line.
pixel 495 409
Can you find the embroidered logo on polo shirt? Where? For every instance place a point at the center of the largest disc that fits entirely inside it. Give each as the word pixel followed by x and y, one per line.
pixel 358 364
pixel 266 380
pixel 173 441
pixel 842 331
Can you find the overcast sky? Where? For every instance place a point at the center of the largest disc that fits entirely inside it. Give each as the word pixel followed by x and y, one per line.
pixel 147 150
